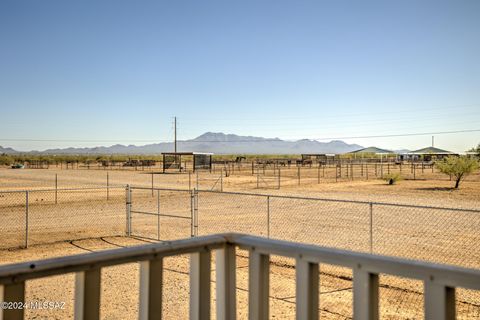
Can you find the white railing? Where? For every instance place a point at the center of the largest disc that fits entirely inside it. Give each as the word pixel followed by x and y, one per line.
pixel 440 281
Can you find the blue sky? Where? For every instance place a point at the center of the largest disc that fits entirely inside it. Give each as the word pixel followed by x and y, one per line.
pixel 105 72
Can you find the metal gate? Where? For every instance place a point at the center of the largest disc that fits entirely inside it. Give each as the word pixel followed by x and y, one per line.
pixel 161 214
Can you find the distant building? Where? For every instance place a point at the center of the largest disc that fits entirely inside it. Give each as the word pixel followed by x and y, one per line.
pixel 372 150
pixel 323 158
pixel 427 154
pixel 365 152
pixel 200 160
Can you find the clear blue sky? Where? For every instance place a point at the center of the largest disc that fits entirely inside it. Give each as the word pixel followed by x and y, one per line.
pixel 120 70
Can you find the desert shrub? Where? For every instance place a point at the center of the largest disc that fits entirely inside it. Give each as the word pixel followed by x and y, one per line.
pixel 392 178
pixel 458 167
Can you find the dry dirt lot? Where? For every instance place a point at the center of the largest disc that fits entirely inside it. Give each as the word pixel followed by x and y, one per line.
pixel 437 235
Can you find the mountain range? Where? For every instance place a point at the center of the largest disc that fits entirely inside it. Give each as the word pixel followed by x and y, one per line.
pixel 219 143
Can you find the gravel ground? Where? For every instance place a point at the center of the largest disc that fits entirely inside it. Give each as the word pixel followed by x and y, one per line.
pixel 442 236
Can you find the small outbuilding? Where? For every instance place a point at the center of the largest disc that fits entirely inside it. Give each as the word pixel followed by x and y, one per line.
pixel 372 150
pixel 429 154
pixel 365 152
pixel 323 158
pixel 173 160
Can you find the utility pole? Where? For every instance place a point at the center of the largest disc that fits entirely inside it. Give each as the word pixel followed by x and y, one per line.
pixel 433 140
pixel 175 133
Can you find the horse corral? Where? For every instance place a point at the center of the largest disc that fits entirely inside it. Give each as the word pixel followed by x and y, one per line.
pixel 428 225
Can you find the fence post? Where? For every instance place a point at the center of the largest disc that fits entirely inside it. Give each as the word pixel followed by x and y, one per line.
pixel 221 181
pixel 128 209
pixel 318 174
pixel 268 216
pixel 371 227
pixel 108 187
pixel 158 214
pixel 26 219
pixel 192 216
pixel 258 178
pixel 56 187
pixel 195 210
pixel 152 184
pixel 298 174
pixel 279 183
pixel 189 180
pixel 196 182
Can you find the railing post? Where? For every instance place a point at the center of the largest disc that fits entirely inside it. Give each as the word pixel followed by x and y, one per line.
pixel 226 283
pixel 151 285
pixel 13 293
pixel 87 294
pixel 258 285
pixel 439 301
pixel 26 218
pixel 307 287
pixel 200 268
pixel 365 295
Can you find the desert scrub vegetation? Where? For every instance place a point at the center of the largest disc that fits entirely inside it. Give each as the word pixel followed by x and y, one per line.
pixel 392 178
pixel 457 167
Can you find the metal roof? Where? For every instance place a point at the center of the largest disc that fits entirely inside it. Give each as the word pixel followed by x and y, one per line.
pixel 430 150
pixel 187 153
pixel 372 150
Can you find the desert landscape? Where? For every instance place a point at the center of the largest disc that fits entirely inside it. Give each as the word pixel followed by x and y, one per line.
pixel 82 216
pixel 239 160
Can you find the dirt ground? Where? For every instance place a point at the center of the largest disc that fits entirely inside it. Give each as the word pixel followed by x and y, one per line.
pixel 440 236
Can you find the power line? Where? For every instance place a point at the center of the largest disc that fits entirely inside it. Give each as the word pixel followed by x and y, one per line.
pixel 253 141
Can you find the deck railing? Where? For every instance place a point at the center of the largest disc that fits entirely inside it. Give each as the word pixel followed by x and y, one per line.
pixel 440 281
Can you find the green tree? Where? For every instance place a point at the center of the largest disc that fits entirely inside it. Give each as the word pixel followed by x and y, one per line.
pixel 476 150
pixel 458 167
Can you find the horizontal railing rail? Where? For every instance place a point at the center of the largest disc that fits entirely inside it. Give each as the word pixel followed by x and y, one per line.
pixel 440 281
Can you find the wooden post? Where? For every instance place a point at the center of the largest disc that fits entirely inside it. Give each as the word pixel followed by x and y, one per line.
pixel 200 269
pixel 226 283
pixel 258 286
pixel 307 290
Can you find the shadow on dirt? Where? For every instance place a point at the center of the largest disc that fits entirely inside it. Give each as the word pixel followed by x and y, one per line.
pixel 437 189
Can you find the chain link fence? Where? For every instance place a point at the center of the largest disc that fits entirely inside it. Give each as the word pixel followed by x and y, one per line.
pixel 46 216
pixel 435 234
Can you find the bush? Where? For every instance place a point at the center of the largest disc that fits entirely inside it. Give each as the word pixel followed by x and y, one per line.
pixel 458 167
pixel 392 178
